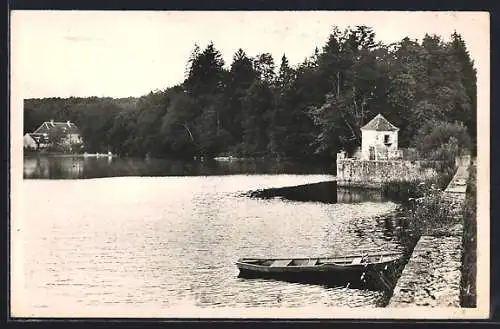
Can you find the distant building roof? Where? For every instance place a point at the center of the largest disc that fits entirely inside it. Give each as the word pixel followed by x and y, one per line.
pixel 67 126
pixel 379 123
pixel 39 138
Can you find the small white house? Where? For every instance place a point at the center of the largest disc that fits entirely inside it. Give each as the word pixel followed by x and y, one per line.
pixel 379 140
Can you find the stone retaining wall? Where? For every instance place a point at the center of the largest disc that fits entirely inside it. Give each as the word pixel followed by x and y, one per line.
pixel 370 173
pixel 432 275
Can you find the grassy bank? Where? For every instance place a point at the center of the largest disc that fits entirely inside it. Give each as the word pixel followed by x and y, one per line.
pixel 424 204
pixel 469 243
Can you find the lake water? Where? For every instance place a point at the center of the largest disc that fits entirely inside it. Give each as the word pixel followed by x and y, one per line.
pixel 75 167
pixel 167 240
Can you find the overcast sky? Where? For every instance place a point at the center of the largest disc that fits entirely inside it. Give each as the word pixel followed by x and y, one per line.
pixel 121 54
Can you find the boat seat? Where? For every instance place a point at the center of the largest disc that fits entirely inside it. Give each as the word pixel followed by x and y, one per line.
pixel 280 263
pixel 311 262
pixel 357 260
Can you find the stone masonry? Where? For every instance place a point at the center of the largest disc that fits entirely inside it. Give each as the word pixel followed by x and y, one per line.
pixel 432 276
pixel 371 173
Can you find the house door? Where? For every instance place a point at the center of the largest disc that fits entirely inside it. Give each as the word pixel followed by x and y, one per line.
pixel 372 152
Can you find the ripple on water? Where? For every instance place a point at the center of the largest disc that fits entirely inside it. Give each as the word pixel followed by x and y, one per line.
pixel 160 241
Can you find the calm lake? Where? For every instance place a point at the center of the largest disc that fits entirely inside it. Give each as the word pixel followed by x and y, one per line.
pixel 168 233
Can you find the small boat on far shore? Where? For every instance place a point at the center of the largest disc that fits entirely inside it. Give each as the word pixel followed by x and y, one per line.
pixel 224 158
pixel 352 268
pixel 98 155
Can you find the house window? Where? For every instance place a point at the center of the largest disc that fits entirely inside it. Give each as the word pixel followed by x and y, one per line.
pixel 386 139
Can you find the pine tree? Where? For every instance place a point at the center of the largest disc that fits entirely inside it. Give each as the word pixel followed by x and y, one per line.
pixel 192 57
pixel 468 79
pixel 241 77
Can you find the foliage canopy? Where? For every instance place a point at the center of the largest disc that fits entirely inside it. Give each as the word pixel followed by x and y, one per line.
pixel 256 107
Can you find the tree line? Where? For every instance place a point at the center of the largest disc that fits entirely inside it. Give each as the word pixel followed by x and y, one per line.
pixel 256 108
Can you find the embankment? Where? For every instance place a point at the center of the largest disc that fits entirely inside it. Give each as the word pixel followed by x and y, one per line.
pixel 374 174
pixel 469 257
pixel 433 273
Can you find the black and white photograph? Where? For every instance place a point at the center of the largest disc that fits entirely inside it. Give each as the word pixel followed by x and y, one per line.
pixel 249 164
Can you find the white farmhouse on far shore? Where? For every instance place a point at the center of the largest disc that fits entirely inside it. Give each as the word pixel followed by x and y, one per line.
pixel 39 139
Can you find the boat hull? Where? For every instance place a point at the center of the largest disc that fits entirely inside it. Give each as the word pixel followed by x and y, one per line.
pixel 366 276
pixel 324 278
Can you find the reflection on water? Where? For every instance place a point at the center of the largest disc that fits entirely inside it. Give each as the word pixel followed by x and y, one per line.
pixel 327 192
pixel 75 167
pixel 155 242
pixel 354 195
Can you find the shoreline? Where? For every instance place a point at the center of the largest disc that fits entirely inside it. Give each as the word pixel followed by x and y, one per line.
pixel 433 274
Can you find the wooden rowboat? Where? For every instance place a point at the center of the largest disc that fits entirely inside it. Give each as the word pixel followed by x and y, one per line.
pixel 352 268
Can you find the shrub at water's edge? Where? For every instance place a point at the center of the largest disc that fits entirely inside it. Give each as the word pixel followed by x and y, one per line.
pixel 443 143
pixel 469 244
pixel 432 212
pixel 440 144
pixel 424 204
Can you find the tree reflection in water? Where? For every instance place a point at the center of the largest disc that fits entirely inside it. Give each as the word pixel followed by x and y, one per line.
pixel 80 167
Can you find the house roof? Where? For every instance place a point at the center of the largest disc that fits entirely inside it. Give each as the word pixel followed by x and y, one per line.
pixel 68 127
pixel 379 123
pixel 38 137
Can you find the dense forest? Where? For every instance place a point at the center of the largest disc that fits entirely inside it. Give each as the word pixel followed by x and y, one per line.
pixel 257 106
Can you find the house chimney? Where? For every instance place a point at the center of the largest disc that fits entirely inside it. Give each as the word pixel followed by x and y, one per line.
pixel 52 122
